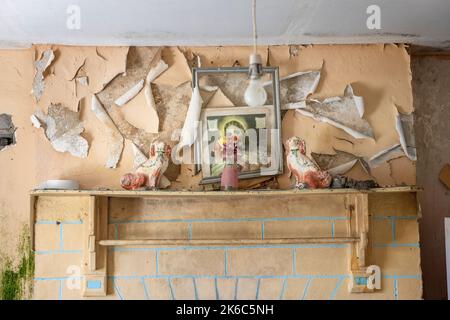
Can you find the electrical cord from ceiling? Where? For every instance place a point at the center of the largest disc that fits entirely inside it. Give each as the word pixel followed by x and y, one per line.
pixel 255 36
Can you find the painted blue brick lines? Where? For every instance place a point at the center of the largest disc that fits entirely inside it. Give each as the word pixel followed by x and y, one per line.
pixel 213 278
pixel 146 287
pixel 225 269
pixel 340 279
pixel 393 219
pixel 61 225
pixel 143 285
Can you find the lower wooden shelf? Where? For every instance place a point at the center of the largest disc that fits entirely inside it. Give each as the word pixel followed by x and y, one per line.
pixel 225 242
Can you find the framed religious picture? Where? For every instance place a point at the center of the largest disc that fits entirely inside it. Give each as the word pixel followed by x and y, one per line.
pixel 253 133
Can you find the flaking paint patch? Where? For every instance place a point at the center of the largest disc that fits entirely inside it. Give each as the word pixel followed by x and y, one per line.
pixel 141 111
pixel 339 163
pixel 295 88
pixel 69 60
pixel 345 113
pixel 103 64
pixel 140 60
pixel 138 63
pixel 189 131
pixel 405 128
pixel 178 72
pixel 138 114
pixel 386 155
pixel 207 94
pixel 172 107
pixel 193 60
pixel 35 121
pixel 41 65
pixel 114 138
pixel 130 94
pixel 232 85
pixel 63 129
pixel 218 99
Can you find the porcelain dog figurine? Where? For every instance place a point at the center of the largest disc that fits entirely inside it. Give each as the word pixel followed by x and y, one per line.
pixel 306 172
pixel 149 174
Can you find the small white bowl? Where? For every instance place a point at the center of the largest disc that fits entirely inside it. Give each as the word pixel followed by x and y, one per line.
pixel 60 185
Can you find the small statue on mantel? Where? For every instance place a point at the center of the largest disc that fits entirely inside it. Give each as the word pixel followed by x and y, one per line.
pixel 149 173
pixel 306 172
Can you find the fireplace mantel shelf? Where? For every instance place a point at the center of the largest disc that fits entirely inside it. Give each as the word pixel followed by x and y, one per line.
pixel 184 193
pixel 96 241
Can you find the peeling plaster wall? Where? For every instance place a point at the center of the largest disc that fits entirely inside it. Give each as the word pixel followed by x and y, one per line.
pixel 431 83
pixel 379 73
pixel 17 172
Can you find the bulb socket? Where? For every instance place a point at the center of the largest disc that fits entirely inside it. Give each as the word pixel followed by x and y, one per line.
pixel 255 58
pixel 255 67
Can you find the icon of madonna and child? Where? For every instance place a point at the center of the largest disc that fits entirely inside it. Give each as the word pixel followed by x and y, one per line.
pixel 237 136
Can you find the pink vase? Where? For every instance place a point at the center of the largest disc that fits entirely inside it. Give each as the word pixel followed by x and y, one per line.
pixel 230 177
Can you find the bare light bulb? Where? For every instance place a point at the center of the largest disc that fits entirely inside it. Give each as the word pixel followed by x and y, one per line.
pixel 255 95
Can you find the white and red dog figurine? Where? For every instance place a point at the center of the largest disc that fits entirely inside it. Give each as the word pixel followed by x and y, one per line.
pixel 306 172
pixel 149 174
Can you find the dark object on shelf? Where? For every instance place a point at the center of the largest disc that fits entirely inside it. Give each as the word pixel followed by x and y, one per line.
pixel 342 182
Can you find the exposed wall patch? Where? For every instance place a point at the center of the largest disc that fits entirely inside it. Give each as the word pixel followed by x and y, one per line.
pixel 7 129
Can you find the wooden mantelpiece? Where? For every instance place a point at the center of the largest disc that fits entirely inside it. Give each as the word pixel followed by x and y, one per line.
pixel 354 204
pixel 182 193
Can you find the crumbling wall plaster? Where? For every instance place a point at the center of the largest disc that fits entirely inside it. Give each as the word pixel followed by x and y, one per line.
pixel 379 73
